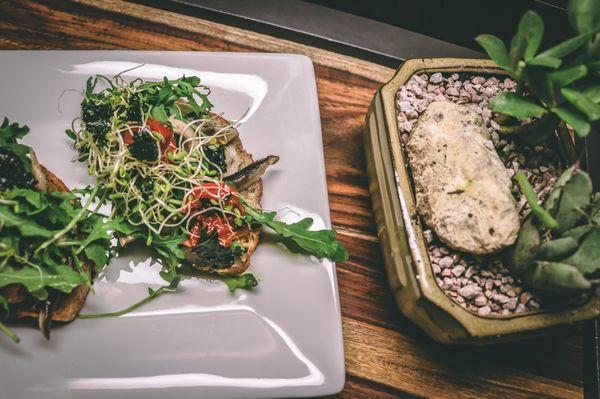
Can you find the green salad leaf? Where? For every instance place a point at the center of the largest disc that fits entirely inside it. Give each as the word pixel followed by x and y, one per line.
pixel 244 281
pixel 10 132
pixel 298 238
pixel 37 279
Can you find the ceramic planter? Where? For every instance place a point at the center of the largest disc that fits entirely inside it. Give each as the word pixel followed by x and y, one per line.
pixel 409 271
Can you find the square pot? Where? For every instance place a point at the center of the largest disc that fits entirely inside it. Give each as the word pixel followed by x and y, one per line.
pixel 408 268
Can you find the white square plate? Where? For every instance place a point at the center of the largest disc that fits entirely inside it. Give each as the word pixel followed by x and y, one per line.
pixel 283 339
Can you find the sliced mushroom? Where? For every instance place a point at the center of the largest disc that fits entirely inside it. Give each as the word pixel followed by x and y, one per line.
pixel 125 239
pixel 250 174
pixel 37 172
pixel 45 318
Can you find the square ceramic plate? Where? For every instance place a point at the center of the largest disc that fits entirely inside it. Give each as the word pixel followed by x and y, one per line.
pixel 283 339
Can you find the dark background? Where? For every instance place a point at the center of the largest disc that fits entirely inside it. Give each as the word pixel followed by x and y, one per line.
pixel 459 21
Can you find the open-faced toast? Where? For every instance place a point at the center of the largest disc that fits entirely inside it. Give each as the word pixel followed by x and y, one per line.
pixel 237 158
pixel 67 307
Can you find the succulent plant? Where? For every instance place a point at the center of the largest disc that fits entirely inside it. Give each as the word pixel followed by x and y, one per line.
pixel 558 85
pixel 557 251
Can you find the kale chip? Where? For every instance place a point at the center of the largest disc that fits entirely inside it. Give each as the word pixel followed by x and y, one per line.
pixel 144 147
pixel 211 253
pixel 216 155
pixel 13 172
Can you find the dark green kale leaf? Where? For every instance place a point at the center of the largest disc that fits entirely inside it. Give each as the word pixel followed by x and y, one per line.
pixel 144 147
pixel 145 185
pixel 13 170
pixel 210 252
pixel 134 109
pixel 216 155
pixel 96 117
pixel 15 165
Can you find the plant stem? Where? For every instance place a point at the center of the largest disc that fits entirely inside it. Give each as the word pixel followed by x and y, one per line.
pixel 542 214
pixel 10 333
pixel 153 294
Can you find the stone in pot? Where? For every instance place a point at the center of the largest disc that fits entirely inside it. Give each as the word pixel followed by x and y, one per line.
pixel 462 188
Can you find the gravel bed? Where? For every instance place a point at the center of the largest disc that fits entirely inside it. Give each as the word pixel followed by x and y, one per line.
pixel 482 285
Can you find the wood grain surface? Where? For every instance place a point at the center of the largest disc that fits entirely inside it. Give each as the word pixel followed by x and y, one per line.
pixel 386 355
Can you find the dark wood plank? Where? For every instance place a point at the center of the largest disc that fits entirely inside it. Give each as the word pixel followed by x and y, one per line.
pixel 386 355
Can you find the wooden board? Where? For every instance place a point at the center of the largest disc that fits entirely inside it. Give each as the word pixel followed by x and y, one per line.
pixel 386 355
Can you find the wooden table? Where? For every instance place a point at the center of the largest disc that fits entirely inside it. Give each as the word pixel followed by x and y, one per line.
pixel 386 355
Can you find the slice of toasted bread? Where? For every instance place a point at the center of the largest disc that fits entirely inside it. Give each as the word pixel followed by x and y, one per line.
pixel 237 158
pixel 69 306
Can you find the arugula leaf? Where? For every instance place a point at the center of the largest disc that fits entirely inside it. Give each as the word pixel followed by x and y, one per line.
pixel 29 201
pixel 320 243
pixel 10 132
pixel 25 225
pixel 244 281
pixel 99 228
pixel 36 280
pixel 97 253
pixel 169 248
pixel 159 113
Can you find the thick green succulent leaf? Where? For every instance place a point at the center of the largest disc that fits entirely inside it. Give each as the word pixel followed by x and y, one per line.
pixel 582 102
pixel 595 209
pixel 528 38
pixel 558 278
pixel 535 132
pixel 558 249
pixel 568 46
pixel 570 198
pixel 594 66
pixel 593 93
pixel 578 232
pixel 545 61
pixel 526 247
pixel 539 84
pixel 587 256
pixel 574 200
pixel 563 77
pixel 552 200
pixel 496 50
pixel 584 15
pixel 509 103
pixel 573 117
